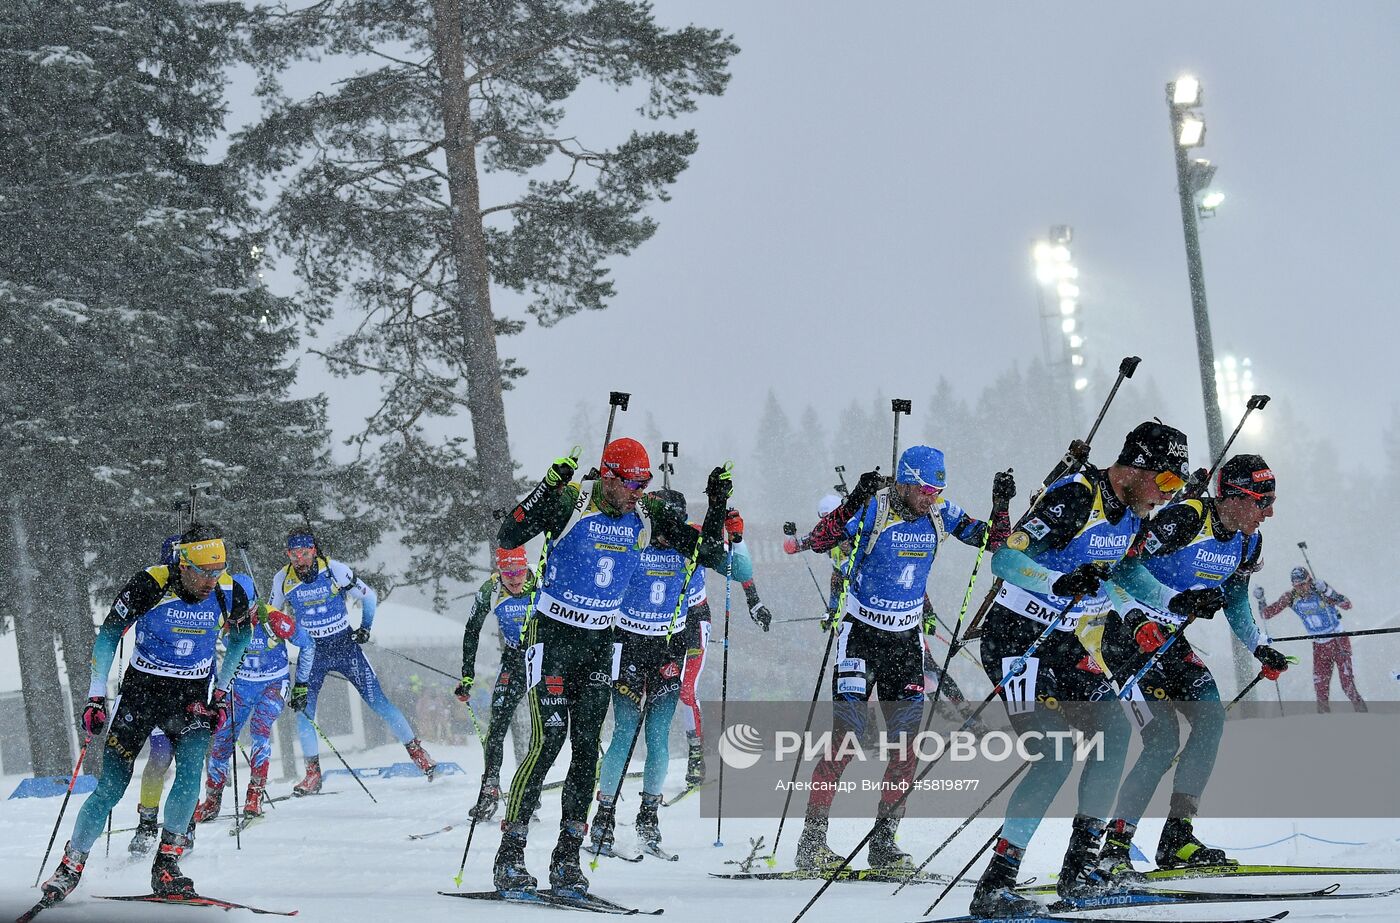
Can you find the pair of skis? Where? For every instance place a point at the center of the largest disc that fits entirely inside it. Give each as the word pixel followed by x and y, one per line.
pixel 648 849
pixel 189 900
pixel 551 898
pixel 887 876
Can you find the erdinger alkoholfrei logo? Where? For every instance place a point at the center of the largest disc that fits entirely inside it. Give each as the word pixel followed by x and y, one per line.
pixel 740 746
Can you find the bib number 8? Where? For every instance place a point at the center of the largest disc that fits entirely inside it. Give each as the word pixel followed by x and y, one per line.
pixel 658 592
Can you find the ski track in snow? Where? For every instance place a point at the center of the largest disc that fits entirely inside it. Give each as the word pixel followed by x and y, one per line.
pixel 345 858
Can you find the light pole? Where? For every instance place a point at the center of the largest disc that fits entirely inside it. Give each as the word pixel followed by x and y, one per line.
pixel 1057 294
pixel 1193 177
pixel 1189 131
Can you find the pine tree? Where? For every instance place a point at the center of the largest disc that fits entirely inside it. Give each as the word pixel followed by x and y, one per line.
pixel 388 203
pixel 140 351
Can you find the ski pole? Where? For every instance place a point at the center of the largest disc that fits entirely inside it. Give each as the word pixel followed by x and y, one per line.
pixel 898 406
pixel 1075 457
pixel 461 869
pixel 958 877
pixel 1245 691
pixel 831 632
pixel 352 772
pixel 724 691
pixel 669 450
pixel 963 826
pixel 790 529
pixel 1018 666
pixel 237 821
pixel 72 780
pixel 426 666
pixel 1303 547
pixel 1337 634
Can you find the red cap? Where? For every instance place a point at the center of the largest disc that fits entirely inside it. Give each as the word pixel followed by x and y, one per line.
pixel 626 459
pixel 511 559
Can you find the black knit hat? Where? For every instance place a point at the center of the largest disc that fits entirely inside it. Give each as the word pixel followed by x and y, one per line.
pixel 1245 473
pixel 1155 446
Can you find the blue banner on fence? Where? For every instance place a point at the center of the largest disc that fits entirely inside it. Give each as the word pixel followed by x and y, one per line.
pixel 48 786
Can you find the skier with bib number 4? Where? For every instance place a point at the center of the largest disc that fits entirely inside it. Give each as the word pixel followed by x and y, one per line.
pixel 171 683
pixel 589 563
pixel 896 532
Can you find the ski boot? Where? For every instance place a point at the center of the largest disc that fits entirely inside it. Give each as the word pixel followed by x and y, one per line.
pixel 166 878
pixel 604 820
pixel 209 808
pixel 487 801
pixel 1179 848
pixel 311 784
pixel 883 853
pixel 648 824
pixel 69 872
pixel 147 832
pixel 257 787
pixel 565 874
pixel 695 763
pixel 1080 874
pixel 813 854
pixel 510 873
pixel 420 757
pixel 996 896
pixel 1115 859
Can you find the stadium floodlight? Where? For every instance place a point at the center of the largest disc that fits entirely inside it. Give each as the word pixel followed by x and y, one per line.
pixel 1186 92
pixel 1067 306
pixel 1192 133
pixel 1080 384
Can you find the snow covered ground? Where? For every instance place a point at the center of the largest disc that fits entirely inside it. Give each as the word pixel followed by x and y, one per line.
pixel 343 858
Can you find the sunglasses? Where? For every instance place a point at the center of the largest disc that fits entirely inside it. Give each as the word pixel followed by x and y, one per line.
pixel 928 490
pixel 208 574
pixel 1260 500
pixel 515 573
pixel 1169 482
pixel 636 484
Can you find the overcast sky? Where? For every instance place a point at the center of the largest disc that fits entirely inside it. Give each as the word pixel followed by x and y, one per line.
pixel 860 215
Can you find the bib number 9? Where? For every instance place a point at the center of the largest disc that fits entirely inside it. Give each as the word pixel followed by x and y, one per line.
pixel 184 647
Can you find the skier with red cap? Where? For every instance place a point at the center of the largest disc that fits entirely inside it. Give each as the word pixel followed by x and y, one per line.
pixel 568 639
pixel 506 595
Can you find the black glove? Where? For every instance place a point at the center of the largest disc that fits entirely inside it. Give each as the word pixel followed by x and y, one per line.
pixel 1259 596
pixel 869 483
pixel 1084 580
pixel 360 635
pixel 1003 489
pixel 720 484
pixel 297 700
pixel 1272 662
pixel 828 620
pixel 561 472
pixel 1196 483
pixel 1200 604
pixel 95 714
pixel 761 616
pixel 463 690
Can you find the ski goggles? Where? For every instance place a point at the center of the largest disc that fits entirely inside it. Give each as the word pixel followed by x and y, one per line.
pixel 632 483
pixel 929 490
pixel 520 572
pixel 1169 482
pixel 1260 500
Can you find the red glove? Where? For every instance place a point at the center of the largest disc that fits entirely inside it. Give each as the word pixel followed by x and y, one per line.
pixel 734 525
pixel 790 545
pixel 95 714
pixel 281 624
pixel 1149 636
pixel 219 706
